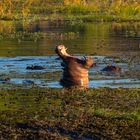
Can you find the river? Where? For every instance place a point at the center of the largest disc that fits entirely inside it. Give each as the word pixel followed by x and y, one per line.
pixel 27 43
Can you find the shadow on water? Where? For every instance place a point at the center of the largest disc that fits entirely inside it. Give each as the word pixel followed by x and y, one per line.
pixel 25 44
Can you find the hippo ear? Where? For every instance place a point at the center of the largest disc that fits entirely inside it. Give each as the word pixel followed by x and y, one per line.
pixel 88 62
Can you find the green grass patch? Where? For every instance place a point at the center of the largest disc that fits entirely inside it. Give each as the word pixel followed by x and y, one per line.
pixel 90 11
pixel 61 113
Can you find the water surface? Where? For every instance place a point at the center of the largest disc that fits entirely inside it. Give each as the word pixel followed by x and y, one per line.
pixel 16 69
pixel 29 43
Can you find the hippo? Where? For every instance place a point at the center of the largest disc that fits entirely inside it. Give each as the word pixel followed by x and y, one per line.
pixel 6 80
pixel 75 69
pixel 34 67
pixel 111 68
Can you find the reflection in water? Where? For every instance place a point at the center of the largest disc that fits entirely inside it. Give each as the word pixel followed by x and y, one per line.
pixel 128 30
pixel 40 37
pixel 119 42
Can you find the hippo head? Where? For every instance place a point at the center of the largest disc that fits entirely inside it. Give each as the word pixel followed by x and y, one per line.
pixel 61 50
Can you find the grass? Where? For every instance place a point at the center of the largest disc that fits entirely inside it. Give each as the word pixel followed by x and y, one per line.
pixel 87 11
pixel 70 114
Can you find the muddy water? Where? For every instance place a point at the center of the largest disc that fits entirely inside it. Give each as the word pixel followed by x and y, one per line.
pixel 28 43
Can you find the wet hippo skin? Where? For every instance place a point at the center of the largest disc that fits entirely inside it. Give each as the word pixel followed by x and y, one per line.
pixel 75 70
pixel 112 69
pixel 35 68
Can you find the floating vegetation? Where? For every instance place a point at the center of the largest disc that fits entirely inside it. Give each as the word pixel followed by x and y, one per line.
pixel 20 36
pixel 64 36
pixel 23 36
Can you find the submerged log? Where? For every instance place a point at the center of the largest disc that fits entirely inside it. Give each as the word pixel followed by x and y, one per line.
pixel 75 69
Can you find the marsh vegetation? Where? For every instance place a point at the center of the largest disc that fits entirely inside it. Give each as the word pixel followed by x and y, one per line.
pixel 70 114
pixel 87 10
pixel 29 32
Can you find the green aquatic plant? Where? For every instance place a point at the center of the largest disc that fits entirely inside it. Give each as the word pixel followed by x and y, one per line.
pixel 20 36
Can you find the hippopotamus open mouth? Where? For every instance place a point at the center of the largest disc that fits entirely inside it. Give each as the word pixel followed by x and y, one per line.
pixel 75 69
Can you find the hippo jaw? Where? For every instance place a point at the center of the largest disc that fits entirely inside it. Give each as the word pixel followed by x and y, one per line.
pixel 61 50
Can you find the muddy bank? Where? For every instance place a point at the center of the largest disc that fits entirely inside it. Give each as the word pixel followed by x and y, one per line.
pixel 70 114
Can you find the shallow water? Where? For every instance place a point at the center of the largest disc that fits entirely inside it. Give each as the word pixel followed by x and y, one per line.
pixel 15 69
pixel 26 43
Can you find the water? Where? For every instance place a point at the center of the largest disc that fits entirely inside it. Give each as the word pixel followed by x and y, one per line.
pixel 29 43
pixel 16 69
